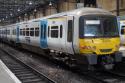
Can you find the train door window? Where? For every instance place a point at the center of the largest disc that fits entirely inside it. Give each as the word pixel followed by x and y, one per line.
pixel 54 31
pixel 122 30
pixel 37 31
pixel 44 31
pixel 61 30
pixel 27 31
pixel 31 31
pixel 69 33
pixel 48 30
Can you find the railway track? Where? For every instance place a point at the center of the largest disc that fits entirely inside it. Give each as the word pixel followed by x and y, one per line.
pixel 105 76
pixel 25 73
pixel 101 77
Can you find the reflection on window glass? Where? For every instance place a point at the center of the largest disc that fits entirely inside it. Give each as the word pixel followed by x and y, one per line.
pixel 92 30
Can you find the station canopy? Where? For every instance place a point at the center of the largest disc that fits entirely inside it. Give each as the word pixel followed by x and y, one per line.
pixel 14 8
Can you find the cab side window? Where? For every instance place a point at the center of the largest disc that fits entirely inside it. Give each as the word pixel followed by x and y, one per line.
pixel 122 30
pixel 61 30
pixel 69 33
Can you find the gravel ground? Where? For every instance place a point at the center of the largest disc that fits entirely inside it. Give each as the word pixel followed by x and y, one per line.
pixel 55 72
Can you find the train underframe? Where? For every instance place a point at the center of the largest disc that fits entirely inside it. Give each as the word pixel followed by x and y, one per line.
pixel 87 61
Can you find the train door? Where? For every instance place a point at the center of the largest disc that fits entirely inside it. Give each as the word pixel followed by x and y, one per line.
pixel 17 34
pixel 56 33
pixel 43 37
pixel 122 33
pixel 69 37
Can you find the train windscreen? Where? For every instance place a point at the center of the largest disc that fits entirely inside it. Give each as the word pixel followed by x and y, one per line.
pixel 98 26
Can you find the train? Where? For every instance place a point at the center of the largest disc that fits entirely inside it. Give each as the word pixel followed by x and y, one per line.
pixel 84 36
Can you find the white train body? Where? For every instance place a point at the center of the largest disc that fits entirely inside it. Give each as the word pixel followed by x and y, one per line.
pixel 60 33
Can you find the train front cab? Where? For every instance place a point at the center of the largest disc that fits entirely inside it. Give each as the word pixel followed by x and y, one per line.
pixel 99 40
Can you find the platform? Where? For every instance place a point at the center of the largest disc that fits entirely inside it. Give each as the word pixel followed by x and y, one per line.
pixel 6 76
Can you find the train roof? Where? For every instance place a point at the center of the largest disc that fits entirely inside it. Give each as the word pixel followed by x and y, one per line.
pixel 78 12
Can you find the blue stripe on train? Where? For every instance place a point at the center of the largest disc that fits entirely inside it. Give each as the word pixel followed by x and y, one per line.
pixel 43 34
pixel 17 34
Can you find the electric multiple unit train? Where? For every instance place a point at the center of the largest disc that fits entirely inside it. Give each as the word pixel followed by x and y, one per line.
pixel 88 36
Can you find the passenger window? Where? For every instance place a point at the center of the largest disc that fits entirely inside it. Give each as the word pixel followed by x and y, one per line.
pixel 61 30
pixel 37 31
pixel 69 35
pixel 31 31
pixel 24 32
pixel 27 31
pixel 48 30
pixel 54 31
